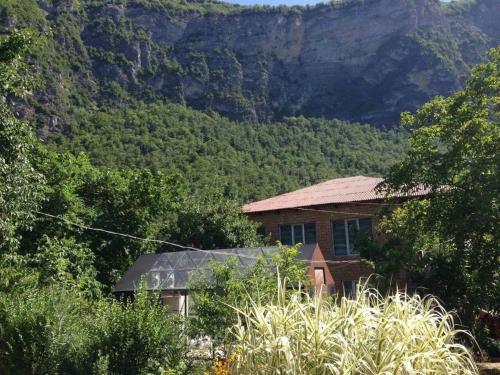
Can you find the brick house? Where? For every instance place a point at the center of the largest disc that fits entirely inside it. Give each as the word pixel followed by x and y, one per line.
pixel 330 214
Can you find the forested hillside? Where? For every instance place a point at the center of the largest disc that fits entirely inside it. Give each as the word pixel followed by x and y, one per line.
pixel 217 92
pixel 80 105
pixel 250 161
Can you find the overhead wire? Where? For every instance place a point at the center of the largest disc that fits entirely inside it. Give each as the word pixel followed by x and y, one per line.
pixel 136 238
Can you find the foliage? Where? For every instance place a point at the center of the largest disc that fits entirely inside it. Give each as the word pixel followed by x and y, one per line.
pixel 371 334
pixel 450 239
pixel 136 203
pixel 225 285
pixel 98 100
pixel 15 76
pixel 209 220
pixel 249 161
pixel 20 184
pixel 132 202
pixel 138 337
pixel 67 263
pixel 56 331
pixel 18 179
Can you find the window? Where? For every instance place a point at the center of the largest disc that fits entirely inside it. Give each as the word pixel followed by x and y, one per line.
pixel 261 230
pixel 345 233
pixel 291 234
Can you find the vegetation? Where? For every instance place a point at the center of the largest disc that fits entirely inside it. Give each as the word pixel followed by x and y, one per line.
pixel 99 101
pixel 250 161
pixel 20 184
pixel 71 224
pixel 370 334
pixel 56 315
pixel 57 331
pixel 449 240
pixel 225 286
pixel 133 202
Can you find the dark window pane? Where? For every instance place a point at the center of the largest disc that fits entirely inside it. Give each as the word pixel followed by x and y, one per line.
pixel 261 230
pixel 297 233
pixel 339 240
pixel 365 226
pixel 352 228
pixel 310 232
pixel 286 234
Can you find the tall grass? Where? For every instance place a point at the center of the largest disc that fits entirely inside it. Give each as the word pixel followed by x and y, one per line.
pixel 367 335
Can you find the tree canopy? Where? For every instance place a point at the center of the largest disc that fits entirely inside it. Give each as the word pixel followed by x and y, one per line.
pixel 449 241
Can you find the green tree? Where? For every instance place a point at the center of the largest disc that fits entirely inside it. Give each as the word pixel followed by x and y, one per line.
pixel 20 184
pixel 133 202
pixel 209 220
pixel 19 181
pixel 136 203
pixel 450 240
pixel 67 263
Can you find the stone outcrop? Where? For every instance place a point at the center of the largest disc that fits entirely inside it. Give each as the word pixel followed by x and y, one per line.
pixel 359 60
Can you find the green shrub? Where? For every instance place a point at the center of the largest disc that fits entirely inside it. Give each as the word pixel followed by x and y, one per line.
pixel 43 332
pixel 399 334
pixel 139 338
pixel 57 331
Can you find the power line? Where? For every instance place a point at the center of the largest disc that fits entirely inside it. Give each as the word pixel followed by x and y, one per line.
pixel 86 227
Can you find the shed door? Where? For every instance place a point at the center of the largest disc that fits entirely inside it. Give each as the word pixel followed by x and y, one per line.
pixel 319 276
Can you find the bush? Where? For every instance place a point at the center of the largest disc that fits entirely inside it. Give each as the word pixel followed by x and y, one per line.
pixel 139 338
pixel 368 335
pixel 57 331
pixel 43 332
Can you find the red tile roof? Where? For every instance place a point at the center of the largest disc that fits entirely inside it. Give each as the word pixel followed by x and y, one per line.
pixel 339 190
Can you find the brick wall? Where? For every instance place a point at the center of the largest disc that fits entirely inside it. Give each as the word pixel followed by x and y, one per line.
pixel 341 272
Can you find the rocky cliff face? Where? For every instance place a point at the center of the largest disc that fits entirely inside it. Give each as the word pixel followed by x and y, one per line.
pixel 362 60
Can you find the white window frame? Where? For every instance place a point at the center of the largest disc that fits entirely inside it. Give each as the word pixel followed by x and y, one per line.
pixel 303 231
pixel 346 234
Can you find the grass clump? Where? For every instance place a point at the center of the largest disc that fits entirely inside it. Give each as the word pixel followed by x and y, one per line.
pixel 370 334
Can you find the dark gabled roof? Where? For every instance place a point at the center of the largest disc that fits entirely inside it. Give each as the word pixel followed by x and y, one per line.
pixel 174 270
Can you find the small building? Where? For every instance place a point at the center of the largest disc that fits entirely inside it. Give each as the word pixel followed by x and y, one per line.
pixel 330 214
pixel 170 273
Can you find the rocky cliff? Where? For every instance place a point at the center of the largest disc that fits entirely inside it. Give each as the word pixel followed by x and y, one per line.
pixel 362 60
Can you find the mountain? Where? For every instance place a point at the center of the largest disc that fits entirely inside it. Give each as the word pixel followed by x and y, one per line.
pixel 359 60
pixel 259 100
